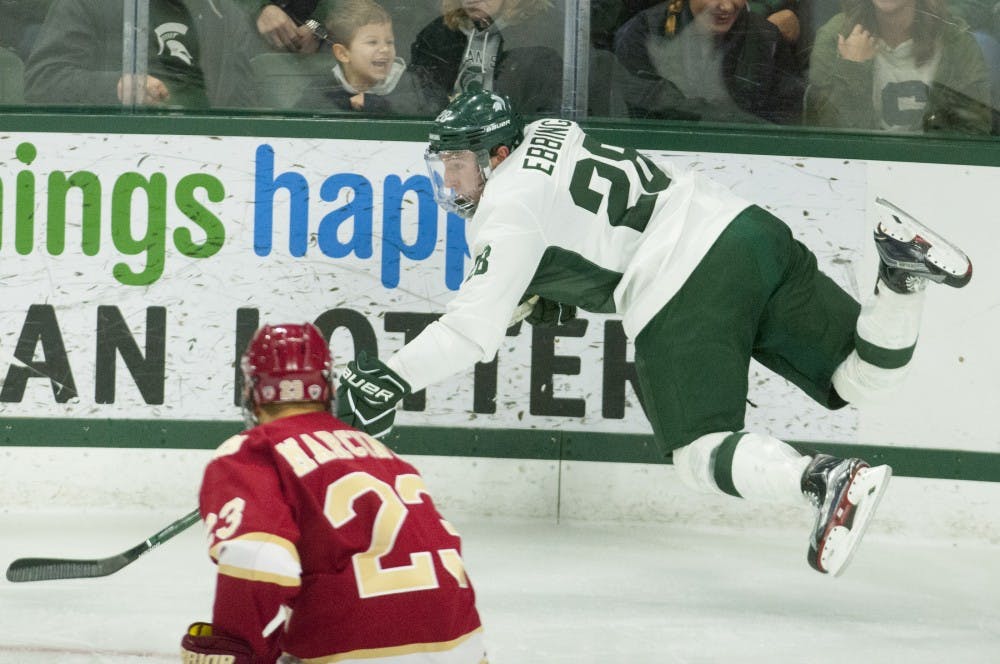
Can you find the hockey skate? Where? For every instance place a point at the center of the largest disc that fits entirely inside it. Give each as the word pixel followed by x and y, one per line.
pixel 911 254
pixel 845 493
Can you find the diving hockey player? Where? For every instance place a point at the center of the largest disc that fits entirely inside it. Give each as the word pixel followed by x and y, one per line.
pixel 704 281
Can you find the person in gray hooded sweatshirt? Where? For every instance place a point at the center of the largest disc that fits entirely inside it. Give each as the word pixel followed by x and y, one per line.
pixel 504 46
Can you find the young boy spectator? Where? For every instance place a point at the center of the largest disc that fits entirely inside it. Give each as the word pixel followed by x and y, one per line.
pixel 368 76
pixel 508 46
pixel 197 56
pixel 897 65
pixel 329 547
pixel 708 60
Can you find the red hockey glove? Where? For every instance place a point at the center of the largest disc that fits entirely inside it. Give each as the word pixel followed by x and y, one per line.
pixel 368 394
pixel 201 645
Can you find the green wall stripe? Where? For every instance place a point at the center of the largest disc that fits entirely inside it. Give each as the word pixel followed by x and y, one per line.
pixel 653 135
pixel 149 434
pixel 538 444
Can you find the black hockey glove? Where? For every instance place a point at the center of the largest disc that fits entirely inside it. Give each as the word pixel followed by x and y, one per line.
pixel 549 313
pixel 368 394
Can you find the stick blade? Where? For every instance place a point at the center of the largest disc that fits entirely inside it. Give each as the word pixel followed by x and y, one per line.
pixel 48 569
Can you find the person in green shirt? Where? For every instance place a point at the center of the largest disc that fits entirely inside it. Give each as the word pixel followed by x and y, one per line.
pixel 898 65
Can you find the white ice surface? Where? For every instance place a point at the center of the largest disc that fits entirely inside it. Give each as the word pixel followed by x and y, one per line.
pixel 553 593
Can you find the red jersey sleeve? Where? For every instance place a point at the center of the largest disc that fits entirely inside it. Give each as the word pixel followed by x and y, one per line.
pixel 253 539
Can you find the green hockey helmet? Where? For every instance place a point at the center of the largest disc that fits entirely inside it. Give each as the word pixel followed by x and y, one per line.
pixel 458 154
pixel 477 119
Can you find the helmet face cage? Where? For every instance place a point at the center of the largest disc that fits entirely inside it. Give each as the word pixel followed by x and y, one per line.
pixel 458 178
pixel 285 364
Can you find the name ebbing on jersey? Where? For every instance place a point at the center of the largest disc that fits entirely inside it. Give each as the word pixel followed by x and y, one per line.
pixel 543 150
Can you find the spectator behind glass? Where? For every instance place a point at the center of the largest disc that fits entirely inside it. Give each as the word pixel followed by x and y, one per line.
pixel 19 23
pixel 368 76
pixel 707 60
pixel 783 13
pixel 196 56
pixel 606 16
pixel 505 45
pixel 287 25
pixel 897 65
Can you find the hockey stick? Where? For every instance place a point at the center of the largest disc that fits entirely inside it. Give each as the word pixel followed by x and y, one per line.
pixel 45 569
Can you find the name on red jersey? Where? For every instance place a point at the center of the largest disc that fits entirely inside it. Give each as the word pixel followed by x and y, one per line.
pixel 305 452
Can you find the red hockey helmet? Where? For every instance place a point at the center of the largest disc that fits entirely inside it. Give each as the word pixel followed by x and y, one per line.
pixel 285 364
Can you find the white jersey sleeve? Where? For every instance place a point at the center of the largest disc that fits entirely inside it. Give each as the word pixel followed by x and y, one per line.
pixel 435 354
pixel 506 254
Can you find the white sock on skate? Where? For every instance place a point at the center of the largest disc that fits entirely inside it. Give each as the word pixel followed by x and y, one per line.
pixel 758 468
pixel 766 469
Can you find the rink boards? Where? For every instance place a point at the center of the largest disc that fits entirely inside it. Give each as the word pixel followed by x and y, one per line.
pixel 136 266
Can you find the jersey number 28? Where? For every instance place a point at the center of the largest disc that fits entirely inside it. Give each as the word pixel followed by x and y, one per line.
pixel 614 164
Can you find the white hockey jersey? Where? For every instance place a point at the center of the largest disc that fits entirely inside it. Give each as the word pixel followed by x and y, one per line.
pixel 571 219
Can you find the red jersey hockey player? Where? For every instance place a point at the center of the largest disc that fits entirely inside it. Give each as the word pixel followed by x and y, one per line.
pixel 329 547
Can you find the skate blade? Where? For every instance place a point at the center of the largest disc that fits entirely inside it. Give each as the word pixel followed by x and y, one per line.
pixel 865 492
pixel 941 253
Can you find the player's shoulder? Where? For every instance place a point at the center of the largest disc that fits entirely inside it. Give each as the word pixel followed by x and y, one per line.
pixel 231 445
pixel 551 133
pixel 262 437
pixel 245 442
pixel 548 144
pixel 549 124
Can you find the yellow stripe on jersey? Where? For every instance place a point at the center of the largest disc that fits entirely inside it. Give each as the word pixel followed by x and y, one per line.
pixel 395 651
pixel 259 557
pixel 262 577
pixel 264 538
